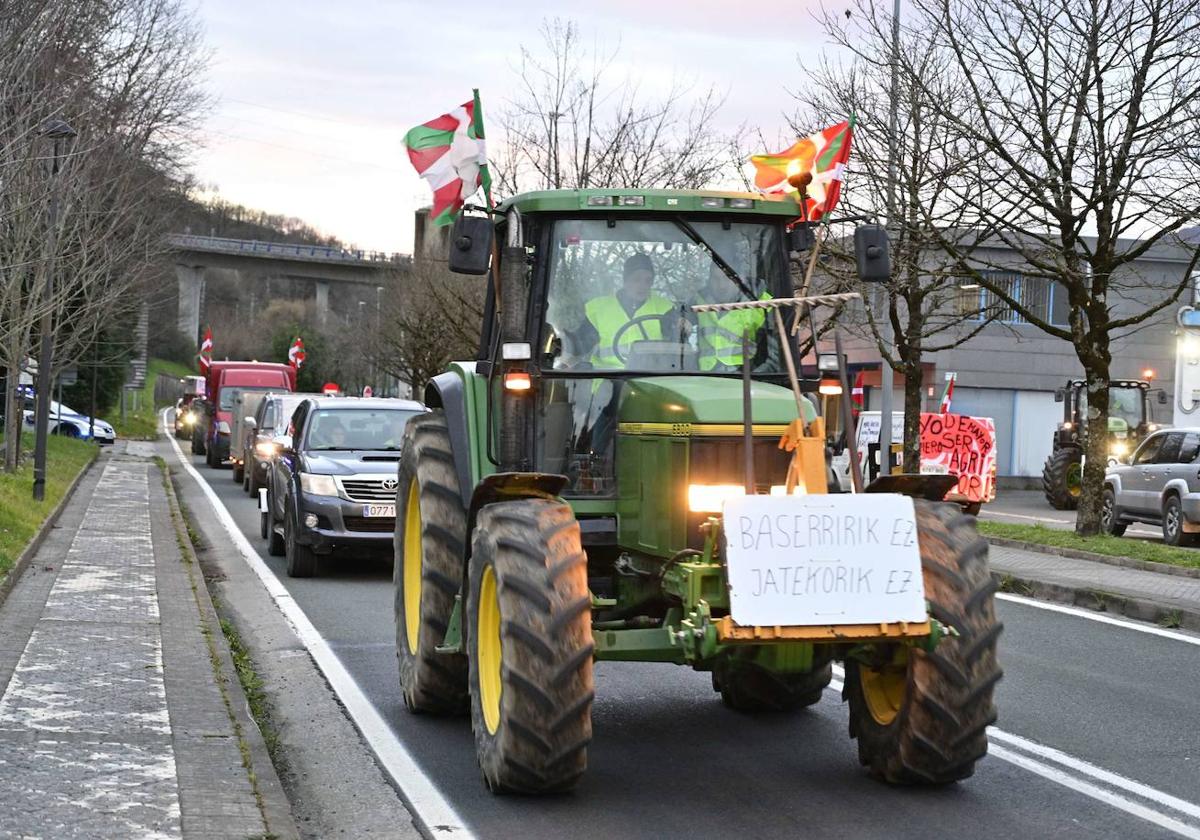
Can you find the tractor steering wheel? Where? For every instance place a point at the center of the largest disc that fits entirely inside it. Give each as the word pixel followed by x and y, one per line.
pixel 663 318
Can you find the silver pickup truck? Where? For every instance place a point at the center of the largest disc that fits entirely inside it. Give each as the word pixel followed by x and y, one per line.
pixel 1158 484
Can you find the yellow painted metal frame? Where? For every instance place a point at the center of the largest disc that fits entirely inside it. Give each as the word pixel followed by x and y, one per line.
pixel 730 632
pixel 701 429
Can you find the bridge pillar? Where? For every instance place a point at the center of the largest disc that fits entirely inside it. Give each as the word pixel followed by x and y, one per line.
pixel 322 301
pixel 191 293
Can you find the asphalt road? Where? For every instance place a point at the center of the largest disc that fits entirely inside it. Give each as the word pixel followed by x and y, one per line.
pixel 1029 507
pixel 668 760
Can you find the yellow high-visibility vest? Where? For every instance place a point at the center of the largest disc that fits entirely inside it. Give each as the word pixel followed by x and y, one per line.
pixel 608 316
pixel 720 338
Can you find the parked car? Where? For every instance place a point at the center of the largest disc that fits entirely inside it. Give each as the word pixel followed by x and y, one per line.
pixel 258 441
pixel 333 483
pixel 1158 484
pixel 68 422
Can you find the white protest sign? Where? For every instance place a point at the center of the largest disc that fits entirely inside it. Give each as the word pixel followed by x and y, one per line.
pixel 815 560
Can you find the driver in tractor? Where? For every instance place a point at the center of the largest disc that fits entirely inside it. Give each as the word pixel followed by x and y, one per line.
pixel 607 314
pixel 720 333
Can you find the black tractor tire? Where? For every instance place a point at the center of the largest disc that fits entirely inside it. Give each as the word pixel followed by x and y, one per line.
pixel 1110 521
pixel 275 543
pixel 749 687
pixel 301 561
pixel 1054 478
pixel 939 727
pixel 197 442
pixel 1172 523
pixel 430 681
pixel 530 550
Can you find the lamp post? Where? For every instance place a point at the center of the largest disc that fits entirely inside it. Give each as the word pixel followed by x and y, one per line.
pixel 61 134
pixel 885 368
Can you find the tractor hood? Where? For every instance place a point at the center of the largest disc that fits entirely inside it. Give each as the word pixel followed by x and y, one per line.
pixel 702 399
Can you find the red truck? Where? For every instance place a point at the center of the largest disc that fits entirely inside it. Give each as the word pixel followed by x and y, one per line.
pixel 224 378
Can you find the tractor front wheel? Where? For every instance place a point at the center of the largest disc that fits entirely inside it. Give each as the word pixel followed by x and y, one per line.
pixel 530 643
pixel 920 716
pixel 1062 478
pixel 427 571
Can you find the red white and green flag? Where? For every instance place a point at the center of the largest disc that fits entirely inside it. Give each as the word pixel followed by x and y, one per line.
pixel 856 393
pixel 449 152
pixel 948 394
pixel 296 353
pixel 822 155
pixel 206 347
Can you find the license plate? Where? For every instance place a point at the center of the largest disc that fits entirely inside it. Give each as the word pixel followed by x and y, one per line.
pixel 379 510
pixel 934 469
pixel 821 560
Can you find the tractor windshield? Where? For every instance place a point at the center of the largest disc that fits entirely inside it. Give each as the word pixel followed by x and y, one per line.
pixel 621 293
pixel 1126 404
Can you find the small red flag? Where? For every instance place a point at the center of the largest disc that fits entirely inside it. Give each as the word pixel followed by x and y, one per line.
pixel 296 355
pixel 856 392
pixel 206 347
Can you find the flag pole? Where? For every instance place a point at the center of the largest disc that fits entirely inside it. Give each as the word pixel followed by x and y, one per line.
pixel 485 177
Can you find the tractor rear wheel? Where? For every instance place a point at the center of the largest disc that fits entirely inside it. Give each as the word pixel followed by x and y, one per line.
pixel 431 529
pixel 530 642
pixel 921 717
pixel 752 688
pixel 1062 478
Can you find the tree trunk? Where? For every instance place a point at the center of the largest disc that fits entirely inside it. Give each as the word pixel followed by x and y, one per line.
pixel 1087 521
pixel 12 420
pixel 912 414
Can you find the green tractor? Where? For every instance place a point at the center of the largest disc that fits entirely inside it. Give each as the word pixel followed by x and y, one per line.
pixel 1129 420
pixel 629 470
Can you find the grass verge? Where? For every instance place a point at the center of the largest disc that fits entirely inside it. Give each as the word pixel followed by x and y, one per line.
pixel 1111 546
pixel 143 423
pixel 20 515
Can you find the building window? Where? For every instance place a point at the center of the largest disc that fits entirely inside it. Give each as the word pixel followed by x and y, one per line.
pixel 1044 299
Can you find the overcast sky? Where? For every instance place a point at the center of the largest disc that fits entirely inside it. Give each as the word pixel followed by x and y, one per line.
pixel 313 98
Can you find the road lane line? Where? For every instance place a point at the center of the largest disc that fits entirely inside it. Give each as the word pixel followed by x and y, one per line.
pixel 429 808
pixel 1062 777
pixel 1023 516
pixel 1092 615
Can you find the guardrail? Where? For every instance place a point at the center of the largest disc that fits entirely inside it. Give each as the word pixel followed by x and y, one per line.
pixel 286 250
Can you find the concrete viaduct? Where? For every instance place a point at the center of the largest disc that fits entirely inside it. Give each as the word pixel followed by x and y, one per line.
pixel 324 266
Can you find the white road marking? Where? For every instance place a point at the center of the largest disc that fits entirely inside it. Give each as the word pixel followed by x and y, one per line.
pixel 1061 776
pixel 1024 516
pixel 426 803
pixel 1092 615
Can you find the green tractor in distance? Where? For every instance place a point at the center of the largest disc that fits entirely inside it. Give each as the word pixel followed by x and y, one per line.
pixel 1129 420
pixel 609 480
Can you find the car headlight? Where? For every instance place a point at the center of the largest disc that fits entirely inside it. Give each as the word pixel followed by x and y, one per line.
pixel 318 485
pixel 266 449
pixel 188 418
pixel 1119 449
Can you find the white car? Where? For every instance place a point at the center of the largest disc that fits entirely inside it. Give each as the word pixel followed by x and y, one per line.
pixel 65 420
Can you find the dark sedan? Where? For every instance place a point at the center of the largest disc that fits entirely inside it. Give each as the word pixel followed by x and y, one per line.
pixel 333 484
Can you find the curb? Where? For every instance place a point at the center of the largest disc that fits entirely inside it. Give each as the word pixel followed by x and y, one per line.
pixel 1107 559
pixel 1099 600
pixel 9 581
pixel 277 809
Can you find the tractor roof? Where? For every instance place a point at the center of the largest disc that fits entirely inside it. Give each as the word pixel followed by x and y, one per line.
pixel 1115 383
pixel 674 201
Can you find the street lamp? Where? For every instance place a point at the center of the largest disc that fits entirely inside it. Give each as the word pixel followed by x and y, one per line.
pixel 61 134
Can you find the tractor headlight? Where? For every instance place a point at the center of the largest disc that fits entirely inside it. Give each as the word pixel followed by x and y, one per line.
pixel 318 485
pixel 709 498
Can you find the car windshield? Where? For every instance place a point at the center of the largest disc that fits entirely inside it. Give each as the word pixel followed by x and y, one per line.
pixel 227 394
pixel 357 428
pixel 621 293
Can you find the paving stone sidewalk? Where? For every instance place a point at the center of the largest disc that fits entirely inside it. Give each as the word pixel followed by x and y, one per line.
pixel 1145 591
pixel 113 723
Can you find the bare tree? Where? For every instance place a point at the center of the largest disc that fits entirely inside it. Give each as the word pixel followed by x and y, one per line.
pixel 572 126
pixel 926 307
pixel 124 74
pixel 1081 134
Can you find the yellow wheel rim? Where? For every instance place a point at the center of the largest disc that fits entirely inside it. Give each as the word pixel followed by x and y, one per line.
pixel 412 566
pixel 885 690
pixel 487 650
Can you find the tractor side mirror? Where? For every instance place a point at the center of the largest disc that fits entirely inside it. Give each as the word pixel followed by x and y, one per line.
pixel 471 245
pixel 871 254
pixel 800 238
pixel 1060 395
pixel 1162 398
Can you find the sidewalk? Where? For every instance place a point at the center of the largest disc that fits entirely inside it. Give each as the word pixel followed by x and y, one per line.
pixel 114 722
pixel 1144 595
